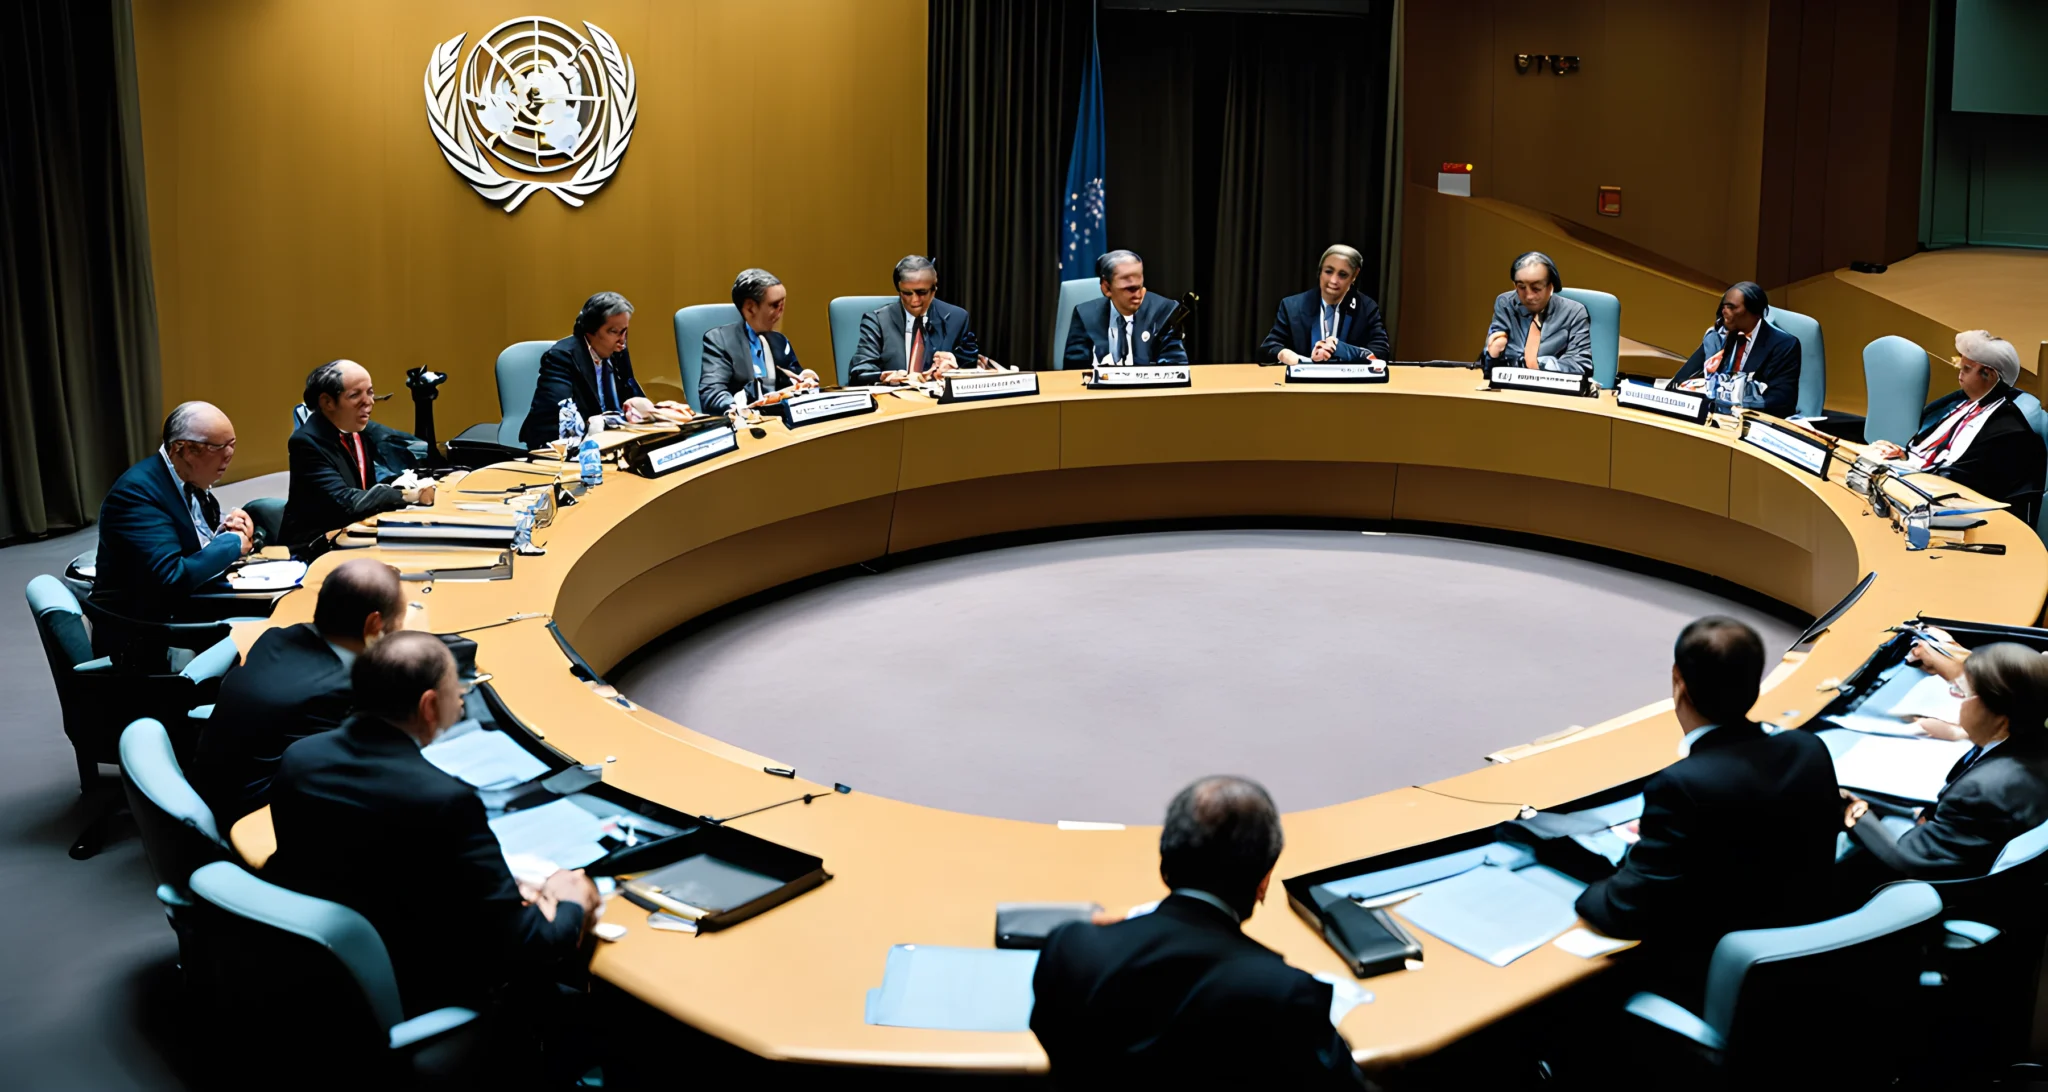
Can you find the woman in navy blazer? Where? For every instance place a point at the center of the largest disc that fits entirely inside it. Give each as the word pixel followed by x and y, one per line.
pixel 1333 321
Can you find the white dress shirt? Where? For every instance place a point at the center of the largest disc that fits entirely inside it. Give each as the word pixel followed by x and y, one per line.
pixel 191 502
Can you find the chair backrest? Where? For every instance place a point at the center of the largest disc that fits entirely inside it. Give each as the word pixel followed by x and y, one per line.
pixel 1895 376
pixel 177 828
pixel 1072 294
pixel 691 324
pixel 1813 358
pixel 61 624
pixel 845 314
pixel 268 514
pixel 260 918
pixel 1605 310
pixel 518 373
pixel 2027 847
pixel 2037 418
pixel 1760 976
pixel 300 414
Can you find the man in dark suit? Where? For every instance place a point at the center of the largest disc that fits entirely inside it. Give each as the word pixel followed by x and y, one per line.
pixel 1738 834
pixel 749 360
pixel 1332 321
pixel 917 334
pixel 1180 997
pixel 1978 435
pixel 1743 342
pixel 340 459
pixel 163 536
pixel 590 367
pixel 363 819
pixel 293 683
pixel 1138 335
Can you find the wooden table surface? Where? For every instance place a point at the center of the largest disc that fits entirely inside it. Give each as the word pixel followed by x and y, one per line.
pixel 639 556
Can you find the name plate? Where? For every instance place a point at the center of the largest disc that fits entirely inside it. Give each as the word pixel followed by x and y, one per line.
pixel 655 459
pixel 1679 404
pixel 1801 451
pixel 973 387
pixel 1126 377
pixel 1337 371
pixel 809 409
pixel 1536 379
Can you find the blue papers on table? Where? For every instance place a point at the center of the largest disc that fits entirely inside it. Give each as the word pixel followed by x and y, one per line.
pixel 557 833
pixel 1371 885
pixel 1910 769
pixel 954 989
pixel 1498 914
pixel 1617 828
pixel 486 758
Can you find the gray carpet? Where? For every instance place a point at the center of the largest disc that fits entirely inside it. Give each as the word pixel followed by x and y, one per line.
pixel 89 999
pixel 1090 679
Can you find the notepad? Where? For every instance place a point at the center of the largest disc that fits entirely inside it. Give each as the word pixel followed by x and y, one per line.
pixel 1494 913
pixel 268 576
pixel 556 831
pixel 954 989
pixel 486 759
pixel 1876 725
pixel 1910 769
pixel 1928 697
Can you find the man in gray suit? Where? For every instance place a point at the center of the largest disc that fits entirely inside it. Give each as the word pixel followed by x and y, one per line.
pixel 1534 327
pixel 750 359
pixel 918 334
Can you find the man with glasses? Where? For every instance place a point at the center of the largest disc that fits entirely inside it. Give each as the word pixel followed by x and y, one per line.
pixel 341 460
pixel 917 336
pixel 163 536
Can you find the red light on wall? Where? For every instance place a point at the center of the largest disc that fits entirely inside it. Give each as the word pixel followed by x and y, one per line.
pixel 1455 168
pixel 1610 200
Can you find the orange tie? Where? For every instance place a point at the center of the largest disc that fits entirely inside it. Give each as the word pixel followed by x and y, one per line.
pixel 917 347
pixel 1534 346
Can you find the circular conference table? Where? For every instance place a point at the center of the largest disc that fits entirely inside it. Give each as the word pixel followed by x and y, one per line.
pixel 639 556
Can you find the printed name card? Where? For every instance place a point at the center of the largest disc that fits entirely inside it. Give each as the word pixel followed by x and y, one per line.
pixel 656 460
pixel 1535 379
pixel 809 409
pixel 1149 375
pixel 1337 371
pixel 1679 404
pixel 975 386
pixel 1801 451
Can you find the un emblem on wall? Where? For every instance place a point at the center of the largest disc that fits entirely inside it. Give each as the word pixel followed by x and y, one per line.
pixel 534 106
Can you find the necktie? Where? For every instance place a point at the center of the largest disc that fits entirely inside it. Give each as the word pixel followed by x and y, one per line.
pixel 1130 341
pixel 1329 327
pixel 754 342
pixel 917 345
pixel 1533 347
pixel 608 388
pixel 352 443
pixel 1733 358
pixel 209 508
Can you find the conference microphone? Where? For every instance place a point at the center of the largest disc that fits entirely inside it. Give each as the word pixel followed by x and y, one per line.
pixel 1176 323
pixel 837 789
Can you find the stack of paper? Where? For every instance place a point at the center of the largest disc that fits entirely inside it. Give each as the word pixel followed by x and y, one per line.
pixel 954 989
pixel 1497 914
pixel 558 832
pixel 1928 697
pixel 487 759
pixel 1910 769
pixel 1371 885
pixel 268 576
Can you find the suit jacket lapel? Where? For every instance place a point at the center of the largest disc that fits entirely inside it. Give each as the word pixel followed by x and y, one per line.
pixel 895 360
pixel 171 496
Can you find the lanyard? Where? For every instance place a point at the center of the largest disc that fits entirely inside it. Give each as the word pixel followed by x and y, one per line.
pixel 1948 438
pixel 1328 325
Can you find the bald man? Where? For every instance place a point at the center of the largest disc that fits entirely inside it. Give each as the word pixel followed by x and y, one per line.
pixel 293 683
pixel 163 536
pixel 340 458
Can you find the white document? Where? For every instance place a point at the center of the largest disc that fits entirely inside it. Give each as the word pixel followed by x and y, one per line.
pixel 1929 697
pixel 268 576
pixel 1911 769
pixel 1877 726
pixel 557 832
pixel 485 759
pixel 1345 995
pixel 1587 944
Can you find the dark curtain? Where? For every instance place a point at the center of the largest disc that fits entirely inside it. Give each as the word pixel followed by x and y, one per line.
pixel 1003 81
pixel 80 391
pixel 1240 146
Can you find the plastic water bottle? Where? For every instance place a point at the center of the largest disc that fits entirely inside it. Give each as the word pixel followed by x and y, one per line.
pixel 589 462
pixel 568 423
pixel 522 529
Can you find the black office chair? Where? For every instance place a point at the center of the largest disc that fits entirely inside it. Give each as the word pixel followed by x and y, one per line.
pixel 267 513
pixel 100 698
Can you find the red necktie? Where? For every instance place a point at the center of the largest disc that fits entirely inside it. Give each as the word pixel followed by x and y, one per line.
pixel 917 347
pixel 1534 346
pixel 352 442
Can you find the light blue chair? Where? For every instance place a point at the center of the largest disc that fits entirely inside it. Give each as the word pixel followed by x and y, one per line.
pixel 1813 358
pixel 692 323
pixel 518 372
pixel 2037 417
pixel 1760 977
pixel 845 314
pixel 1605 310
pixel 177 828
pixel 1072 294
pixel 263 943
pixel 1895 379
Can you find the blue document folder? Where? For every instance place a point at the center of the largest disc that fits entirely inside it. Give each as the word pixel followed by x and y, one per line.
pixel 1371 885
pixel 954 989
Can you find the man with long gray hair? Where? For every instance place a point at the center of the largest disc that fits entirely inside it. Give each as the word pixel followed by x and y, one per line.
pixel 589 367
pixel 1978 436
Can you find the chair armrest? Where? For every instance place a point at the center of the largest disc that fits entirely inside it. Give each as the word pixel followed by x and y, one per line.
pixel 199 712
pixel 171 898
pixel 1671 1017
pixel 426 1026
pixel 1975 932
pixel 214 662
pixel 102 666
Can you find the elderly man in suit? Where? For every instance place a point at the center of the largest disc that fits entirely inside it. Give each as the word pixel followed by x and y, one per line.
pixel 340 458
pixel 1180 997
pixel 1743 343
pixel 163 536
pixel 1978 435
pixel 917 335
pixel 1125 326
pixel 749 360
pixel 1534 327
pixel 591 368
pixel 293 684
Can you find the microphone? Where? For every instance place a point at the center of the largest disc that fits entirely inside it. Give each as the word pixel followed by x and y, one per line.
pixel 1176 323
pixel 837 789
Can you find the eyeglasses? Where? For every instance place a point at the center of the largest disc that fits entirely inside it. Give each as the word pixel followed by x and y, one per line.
pixel 227 446
pixel 1960 689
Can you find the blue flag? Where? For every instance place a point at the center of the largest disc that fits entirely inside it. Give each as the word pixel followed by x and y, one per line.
pixel 1081 229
